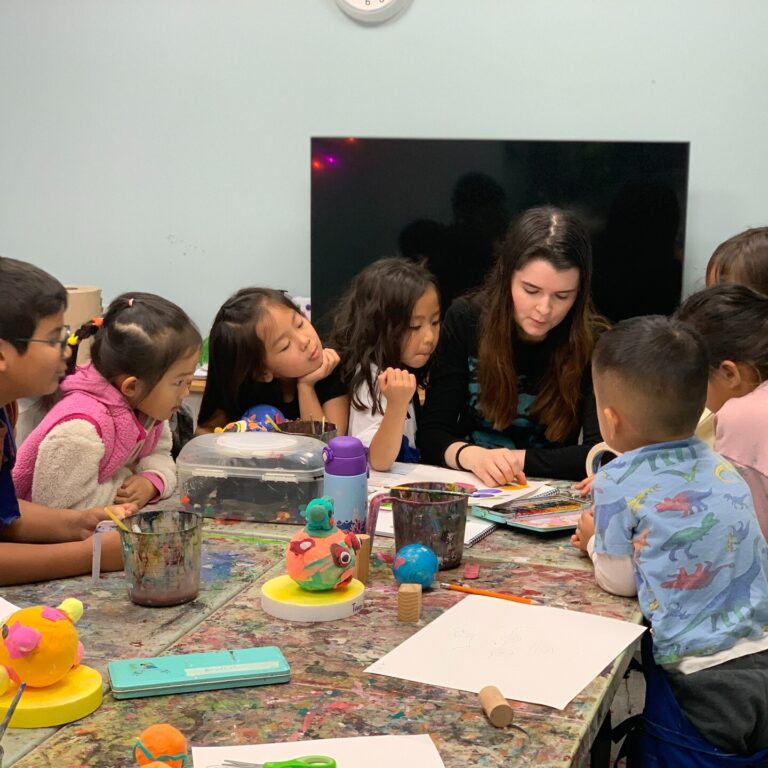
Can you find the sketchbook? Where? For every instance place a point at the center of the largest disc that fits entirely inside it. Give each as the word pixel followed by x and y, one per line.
pixel 476 529
pixel 482 496
pixel 558 512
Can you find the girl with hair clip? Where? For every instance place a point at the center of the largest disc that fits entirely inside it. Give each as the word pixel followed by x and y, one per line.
pixel 263 351
pixel 107 439
pixel 510 391
pixel 385 330
pixel 733 319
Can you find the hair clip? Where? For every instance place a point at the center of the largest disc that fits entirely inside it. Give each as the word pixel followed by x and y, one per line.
pixel 130 302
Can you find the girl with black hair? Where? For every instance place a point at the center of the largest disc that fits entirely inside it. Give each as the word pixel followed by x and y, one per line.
pixel 263 351
pixel 107 440
pixel 385 330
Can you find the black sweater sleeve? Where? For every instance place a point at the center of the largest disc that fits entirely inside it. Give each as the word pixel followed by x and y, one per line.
pixel 443 417
pixel 568 462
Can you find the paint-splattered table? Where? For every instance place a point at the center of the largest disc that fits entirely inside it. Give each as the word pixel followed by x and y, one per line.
pixel 329 694
pixel 113 628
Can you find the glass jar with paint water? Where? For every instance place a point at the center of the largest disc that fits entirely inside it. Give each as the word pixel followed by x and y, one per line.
pixel 161 552
pixel 432 514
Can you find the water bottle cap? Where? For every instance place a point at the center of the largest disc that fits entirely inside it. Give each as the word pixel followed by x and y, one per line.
pixel 345 456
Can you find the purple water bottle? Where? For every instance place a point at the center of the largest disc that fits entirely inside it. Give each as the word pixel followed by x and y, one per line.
pixel 346 482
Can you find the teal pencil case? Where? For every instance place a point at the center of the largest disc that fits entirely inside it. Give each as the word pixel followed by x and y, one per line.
pixel 185 673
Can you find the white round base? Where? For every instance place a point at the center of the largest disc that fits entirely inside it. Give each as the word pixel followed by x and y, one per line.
pixel 282 598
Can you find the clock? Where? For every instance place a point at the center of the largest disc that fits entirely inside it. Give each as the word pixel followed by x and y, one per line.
pixel 372 11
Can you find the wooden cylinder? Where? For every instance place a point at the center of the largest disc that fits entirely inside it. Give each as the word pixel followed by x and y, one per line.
pixel 363 562
pixel 495 706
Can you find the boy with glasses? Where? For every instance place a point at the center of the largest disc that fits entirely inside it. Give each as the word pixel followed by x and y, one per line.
pixel 36 542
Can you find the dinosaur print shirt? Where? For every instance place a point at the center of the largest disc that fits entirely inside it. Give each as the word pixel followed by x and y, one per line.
pixel 685 516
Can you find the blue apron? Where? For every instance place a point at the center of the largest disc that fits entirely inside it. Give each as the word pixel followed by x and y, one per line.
pixel 668 739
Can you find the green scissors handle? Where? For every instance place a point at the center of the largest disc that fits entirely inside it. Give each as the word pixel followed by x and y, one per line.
pixel 297 762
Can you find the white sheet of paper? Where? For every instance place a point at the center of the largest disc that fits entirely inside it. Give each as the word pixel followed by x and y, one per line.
pixel 6 609
pixel 370 751
pixel 426 473
pixel 530 652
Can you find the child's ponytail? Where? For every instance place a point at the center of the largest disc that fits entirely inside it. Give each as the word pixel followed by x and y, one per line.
pixel 85 331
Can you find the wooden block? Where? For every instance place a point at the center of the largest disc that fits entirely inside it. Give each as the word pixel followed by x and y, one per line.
pixel 409 602
pixel 363 562
pixel 495 706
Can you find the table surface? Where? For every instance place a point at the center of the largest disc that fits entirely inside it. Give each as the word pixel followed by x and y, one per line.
pixel 329 695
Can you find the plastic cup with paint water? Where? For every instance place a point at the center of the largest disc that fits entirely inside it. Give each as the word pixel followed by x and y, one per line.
pixel 161 552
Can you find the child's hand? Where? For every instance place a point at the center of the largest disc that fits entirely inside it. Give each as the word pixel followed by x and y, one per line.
pixel 111 552
pixel 84 522
pixel 584 487
pixel 585 530
pixel 135 489
pixel 330 361
pixel 494 466
pixel 397 386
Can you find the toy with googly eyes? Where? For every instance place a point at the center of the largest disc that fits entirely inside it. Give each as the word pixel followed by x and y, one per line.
pixel 320 557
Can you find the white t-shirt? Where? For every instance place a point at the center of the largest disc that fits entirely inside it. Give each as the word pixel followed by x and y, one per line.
pixel 364 424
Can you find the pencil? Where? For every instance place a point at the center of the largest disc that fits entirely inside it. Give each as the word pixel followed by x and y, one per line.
pixel 487 593
pixel 116 520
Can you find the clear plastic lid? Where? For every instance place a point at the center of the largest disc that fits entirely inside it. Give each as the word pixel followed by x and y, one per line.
pixel 253 454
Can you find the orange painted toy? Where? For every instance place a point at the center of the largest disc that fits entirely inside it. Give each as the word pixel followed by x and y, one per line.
pixel 39 645
pixel 320 557
pixel 161 744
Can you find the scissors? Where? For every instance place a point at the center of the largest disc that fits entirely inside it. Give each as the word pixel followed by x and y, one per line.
pixel 297 762
pixel 9 715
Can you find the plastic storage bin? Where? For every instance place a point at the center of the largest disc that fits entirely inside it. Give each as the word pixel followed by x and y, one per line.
pixel 265 477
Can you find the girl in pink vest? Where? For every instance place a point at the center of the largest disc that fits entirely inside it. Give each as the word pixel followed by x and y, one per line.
pixel 107 439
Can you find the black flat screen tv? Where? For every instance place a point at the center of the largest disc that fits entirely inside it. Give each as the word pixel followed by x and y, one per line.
pixel 449 201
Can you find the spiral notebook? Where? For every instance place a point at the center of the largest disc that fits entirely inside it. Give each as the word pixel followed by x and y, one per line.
pixel 475 531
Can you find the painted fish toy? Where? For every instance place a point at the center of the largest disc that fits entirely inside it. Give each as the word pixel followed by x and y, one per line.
pixel 320 557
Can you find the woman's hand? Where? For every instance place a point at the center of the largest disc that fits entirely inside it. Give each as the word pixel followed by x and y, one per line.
pixel 494 466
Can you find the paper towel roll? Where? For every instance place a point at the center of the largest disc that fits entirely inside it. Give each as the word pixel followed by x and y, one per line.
pixel 83 304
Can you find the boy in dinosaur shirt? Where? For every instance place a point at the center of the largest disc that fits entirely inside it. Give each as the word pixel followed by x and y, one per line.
pixel 673 523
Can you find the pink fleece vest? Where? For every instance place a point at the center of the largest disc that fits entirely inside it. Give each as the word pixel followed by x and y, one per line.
pixel 116 424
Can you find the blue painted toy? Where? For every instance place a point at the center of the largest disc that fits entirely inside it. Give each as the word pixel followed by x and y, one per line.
pixel 415 564
pixel 259 418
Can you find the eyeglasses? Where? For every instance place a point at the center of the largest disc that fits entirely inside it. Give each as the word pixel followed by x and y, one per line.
pixel 61 343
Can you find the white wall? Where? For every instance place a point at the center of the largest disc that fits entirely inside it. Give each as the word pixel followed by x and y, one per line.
pixel 164 144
